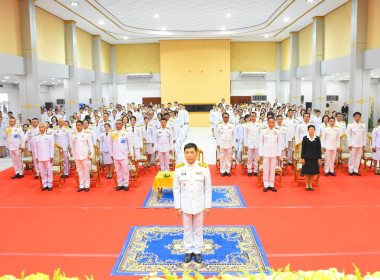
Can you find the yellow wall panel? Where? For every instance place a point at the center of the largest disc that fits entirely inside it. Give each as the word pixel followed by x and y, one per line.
pixel 338 32
pixel 285 54
pixel 373 38
pixel 10 42
pixel 84 49
pixel 256 56
pixel 106 57
pixel 50 37
pixel 195 71
pixel 305 46
pixel 138 58
pixel 199 119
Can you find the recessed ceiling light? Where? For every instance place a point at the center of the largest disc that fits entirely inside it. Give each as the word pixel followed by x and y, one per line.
pixel 74 3
pixel 372 74
pixel 337 74
pixel 222 28
pixel 266 35
pixel 6 77
pixel 286 19
pixel 52 78
pixel 310 1
pixel 78 83
pixel 44 81
pixel 156 15
pixel 3 80
pixel 59 81
pixel 16 82
pixel 101 22
pixel 332 77
pixel 163 29
pixel 125 37
pixel 228 15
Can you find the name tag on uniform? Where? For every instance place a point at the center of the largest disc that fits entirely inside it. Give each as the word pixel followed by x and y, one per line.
pixel 122 141
pixel 15 136
pixel 183 174
pixel 199 173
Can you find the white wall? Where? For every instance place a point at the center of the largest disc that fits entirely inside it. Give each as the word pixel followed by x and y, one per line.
pixel 135 90
pixel 12 91
pixel 285 91
pixel 307 90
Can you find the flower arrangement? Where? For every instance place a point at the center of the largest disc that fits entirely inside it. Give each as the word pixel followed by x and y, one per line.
pixel 40 276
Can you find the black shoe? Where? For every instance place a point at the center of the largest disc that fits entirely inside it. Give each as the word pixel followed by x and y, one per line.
pixel 188 257
pixel 22 176
pixel 302 175
pixel 327 174
pixel 119 188
pixel 66 176
pixel 273 189
pixel 90 175
pixel 126 188
pixel 198 258
pixel 44 189
pixel 307 189
pixel 265 189
pixel 355 173
pixel 255 173
pixel 351 174
pixel 36 177
pixel 249 174
pixel 61 176
pixel 311 189
pixel 87 189
pixel 80 189
pixel 50 189
pixel 229 174
pixel 14 177
pixel 332 174
pixel 223 174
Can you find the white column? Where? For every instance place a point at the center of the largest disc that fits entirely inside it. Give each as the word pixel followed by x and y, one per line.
pixel 70 86
pixel 96 87
pixel 319 82
pixel 279 94
pixel 29 95
pixel 295 84
pixel 359 92
pixel 113 91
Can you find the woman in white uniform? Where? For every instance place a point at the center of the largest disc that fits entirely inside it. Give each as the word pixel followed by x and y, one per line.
pixel 239 132
pixel 376 147
pixel 105 144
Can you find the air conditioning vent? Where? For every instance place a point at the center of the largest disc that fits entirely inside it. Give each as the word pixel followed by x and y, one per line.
pixel 255 98
pixel 253 74
pixel 332 98
pixel 139 76
pixel 60 101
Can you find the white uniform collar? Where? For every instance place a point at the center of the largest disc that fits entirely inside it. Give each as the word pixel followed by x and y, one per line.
pixel 308 136
pixel 192 165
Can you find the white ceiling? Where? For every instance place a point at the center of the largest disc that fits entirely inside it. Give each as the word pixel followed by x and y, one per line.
pixel 251 20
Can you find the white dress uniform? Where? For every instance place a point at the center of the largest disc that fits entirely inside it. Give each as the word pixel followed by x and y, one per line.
pixel 111 123
pixel 192 194
pixel 163 143
pixel 43 147
pixel 321 129
pixel 148 132
pixel 252 141
pixel 97 128
pixel 282 131
pixel 376 143
pixel 291 126
pixel 239 132
pixel 301 131
pixel 214 119
pixel 225 139
pixel 342 127
pixel 61 138
pixel 2 135
pixel 270 148
pixel 331 142
pixel 121 146
pixel 356 138
pixel 105 146
pixel 83 149
pixel 32 132
pixel 15 141
pixel 136 138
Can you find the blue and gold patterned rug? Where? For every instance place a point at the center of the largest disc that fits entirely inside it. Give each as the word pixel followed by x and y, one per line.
pixel 222 197
pixel 232 249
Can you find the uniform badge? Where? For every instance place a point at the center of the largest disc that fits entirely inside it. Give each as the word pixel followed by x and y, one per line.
pixel 199 173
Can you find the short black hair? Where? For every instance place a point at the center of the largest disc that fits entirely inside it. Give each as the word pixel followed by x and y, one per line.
pixel 34 119
pixel 225 114
pixel 146 118
pixel 80 122
pixel 357 113
pixel 331 118
pixel 310 125
pixel 107 124
pixel 279 116
pixel 163 119
pixel 306 114
pixel 189 146
pixel 133 117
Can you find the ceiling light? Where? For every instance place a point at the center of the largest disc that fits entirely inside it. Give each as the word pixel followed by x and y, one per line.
pixel 332 77
pixel 228 15
pixel 6 77
pixel 310 1
pixel 266 35
pixel 78 83
pixel 3 80
pixel 223 28
pixel 44 81
pixel 163 29
pixel 74 3
pixel 156 15
pixel 286 19
pixel 51 78
pixel 337 74
pixel 59 81
pixel 372 74
pixel 101 22
pixel 125 37
pixel 16 82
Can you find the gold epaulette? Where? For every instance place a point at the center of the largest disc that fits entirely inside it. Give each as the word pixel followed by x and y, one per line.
pixel 264 127
pixel 219 122
pixel 150 124
pixel 17 126
pixel 29 127
pixel 48 133
pixel 38 134
pixel 86 132
pixel 361 121
pixel 232 122
pixel 202 164
pixel 343 121
pixel 351 122
pixel 336 126
pixel 56 127
pixel 180 165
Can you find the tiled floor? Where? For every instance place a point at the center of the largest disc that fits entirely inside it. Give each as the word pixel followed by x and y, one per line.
pixel 201 136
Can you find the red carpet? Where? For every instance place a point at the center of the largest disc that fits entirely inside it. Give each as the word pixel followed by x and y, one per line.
pixel 83 233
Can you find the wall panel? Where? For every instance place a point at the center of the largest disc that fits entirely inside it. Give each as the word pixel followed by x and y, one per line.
pixel 10 35
pixel 285 54
pixel 106 57
pixel 138 58
pixel 373 38
pixel 305 46
pixel 84 49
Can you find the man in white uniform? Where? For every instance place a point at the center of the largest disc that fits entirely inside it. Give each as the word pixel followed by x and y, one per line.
pixel 356 138
pixel 32 131
pixel 225 141
pixel 251 143
pixel 121 145
pixel 148 132
pixel 43 147
pixel 14 141
pixel 291 125
pixel 136 137
pixel 61 138
pixel 301 129
pixel 330 145
pixel 83 151
pixel 341 124
pixel 163 144
pixel 192 200
pixel 270 152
